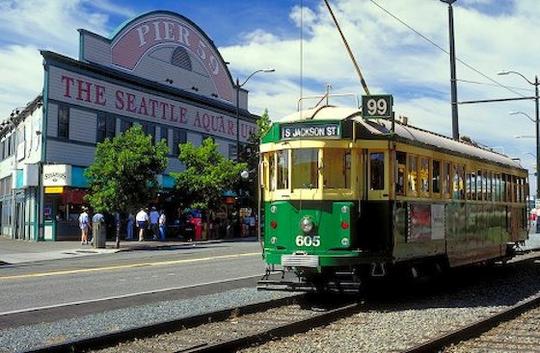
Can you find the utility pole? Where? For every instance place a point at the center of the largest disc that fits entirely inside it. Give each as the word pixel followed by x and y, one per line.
pixel 453 82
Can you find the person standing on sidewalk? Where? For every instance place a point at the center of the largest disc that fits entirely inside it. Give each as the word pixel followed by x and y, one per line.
pixel 142 222
pixel 129 224
pixel 162 226
pixel 154 223
pixel 84 224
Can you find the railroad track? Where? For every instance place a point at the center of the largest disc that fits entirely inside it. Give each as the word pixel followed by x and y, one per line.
pixel 512 330
pixel 222 331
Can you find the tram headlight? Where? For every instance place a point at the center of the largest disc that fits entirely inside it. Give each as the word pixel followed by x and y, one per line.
pixel 306 224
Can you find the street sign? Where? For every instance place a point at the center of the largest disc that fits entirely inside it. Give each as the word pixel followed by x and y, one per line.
pixel 377 107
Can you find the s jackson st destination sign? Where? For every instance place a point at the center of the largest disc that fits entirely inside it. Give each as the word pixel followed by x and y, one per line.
pixel 328 130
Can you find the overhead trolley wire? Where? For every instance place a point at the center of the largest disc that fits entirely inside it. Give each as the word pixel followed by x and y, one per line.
pixel 444 50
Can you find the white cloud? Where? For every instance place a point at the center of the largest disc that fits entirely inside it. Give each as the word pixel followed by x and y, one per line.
pixel 21 77
pixel 30 25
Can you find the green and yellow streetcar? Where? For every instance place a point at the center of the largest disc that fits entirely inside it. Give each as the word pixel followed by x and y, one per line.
pixel 347 198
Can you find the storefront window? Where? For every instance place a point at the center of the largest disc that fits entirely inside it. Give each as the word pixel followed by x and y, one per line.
pixel 376 168
pixel 63 121
pixel 305 168
pixel 106 127
pixel 337 168
pixel 282 169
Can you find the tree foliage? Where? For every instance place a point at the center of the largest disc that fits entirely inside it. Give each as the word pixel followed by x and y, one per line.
pixel 207 174
pixel 263 125
pixel 123 175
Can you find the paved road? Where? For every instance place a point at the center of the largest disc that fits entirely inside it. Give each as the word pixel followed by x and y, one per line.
pixel 50 283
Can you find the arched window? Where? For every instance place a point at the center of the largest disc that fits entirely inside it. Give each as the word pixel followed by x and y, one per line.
pixel 180 58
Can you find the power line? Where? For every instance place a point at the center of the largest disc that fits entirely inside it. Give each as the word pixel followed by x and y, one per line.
pixel 444 50
pixel 493 85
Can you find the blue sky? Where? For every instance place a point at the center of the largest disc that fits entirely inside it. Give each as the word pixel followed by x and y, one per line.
pixel 490 35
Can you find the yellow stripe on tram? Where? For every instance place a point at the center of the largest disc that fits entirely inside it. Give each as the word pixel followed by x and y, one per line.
pixel 119 267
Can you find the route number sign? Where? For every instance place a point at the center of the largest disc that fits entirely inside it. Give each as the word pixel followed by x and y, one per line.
pixel 377 107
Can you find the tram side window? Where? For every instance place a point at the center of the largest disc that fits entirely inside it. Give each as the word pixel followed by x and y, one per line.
pixel 485 185
pixel 271 172
pixel 526 191
pixel 447 178
pixel 468 186
pixel 376 170
pixel 489 189
pixel 459 182
pixel 401 165
pixel 514 189
pixel 473 186
pixel 412 176
pixel 282 169
pixel 305 168
pixel 424 175
pixel 498 187
pixel 518 187
pixel 504 188
pixel 337 168
pixel 436 177
pixel 479 184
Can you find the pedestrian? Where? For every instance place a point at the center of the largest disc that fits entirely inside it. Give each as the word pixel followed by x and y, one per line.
pixel 84 224
pixel 154 223
pixel 252 223
pixel 142 222
pixel 162 226
pixel 129 225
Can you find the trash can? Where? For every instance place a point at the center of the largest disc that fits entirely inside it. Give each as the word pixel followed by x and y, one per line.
pixel 99 235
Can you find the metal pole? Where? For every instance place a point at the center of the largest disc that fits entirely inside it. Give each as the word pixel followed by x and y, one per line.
pixel 453 82
pixel 237 120
pixel 537 121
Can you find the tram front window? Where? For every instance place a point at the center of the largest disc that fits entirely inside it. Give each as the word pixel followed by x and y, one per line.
pixel 305 168
pixel 337 168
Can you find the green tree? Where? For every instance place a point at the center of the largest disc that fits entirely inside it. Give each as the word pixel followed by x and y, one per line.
pixel 123 175
pixel 207 174
pixel 263 125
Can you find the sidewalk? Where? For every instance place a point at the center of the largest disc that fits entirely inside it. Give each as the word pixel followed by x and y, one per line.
pixel 21 251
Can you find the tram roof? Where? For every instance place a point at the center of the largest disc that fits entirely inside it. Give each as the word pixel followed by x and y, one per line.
pixel 382 129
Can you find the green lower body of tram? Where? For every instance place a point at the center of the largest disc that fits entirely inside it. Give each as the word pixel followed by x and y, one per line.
pixel 323 240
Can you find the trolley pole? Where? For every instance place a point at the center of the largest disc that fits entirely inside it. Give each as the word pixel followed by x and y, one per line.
pixel 453 82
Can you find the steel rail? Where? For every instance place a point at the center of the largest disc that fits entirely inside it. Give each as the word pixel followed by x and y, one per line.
pixel 284 330
pixel 475 329
pixel 115 337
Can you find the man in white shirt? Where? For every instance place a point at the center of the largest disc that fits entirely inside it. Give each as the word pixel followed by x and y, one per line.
pixel 84 224
pixel 142 222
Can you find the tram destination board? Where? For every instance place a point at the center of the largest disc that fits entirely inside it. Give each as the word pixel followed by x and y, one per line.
pixel 315 130
pixel 377 107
